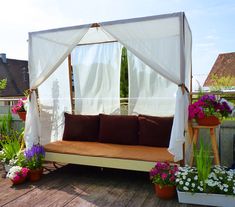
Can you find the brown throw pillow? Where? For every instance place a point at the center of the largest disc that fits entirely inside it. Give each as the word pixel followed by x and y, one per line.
pixel 118 129
pixel 81 127
pixel 155 131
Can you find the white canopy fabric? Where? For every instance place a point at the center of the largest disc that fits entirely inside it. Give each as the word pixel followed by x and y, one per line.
pixel 149 92
pixel 96 70
pixel 54 100
pixel 162 42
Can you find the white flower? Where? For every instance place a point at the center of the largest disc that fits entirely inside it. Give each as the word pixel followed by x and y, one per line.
pixel 225 185
pixel 181 182
pixel 187 183
pixel 195 177
pixel 193 185
pixel 185 188
pixel 13 170
pixel 189 179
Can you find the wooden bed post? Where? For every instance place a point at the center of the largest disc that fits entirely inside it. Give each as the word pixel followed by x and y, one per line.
pixel 71 82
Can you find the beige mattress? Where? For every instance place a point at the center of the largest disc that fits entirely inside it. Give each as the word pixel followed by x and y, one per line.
pixel 96 149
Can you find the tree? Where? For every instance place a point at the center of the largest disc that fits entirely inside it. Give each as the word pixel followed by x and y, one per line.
pixel 124 74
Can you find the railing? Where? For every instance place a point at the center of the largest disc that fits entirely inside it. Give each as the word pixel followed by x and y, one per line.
pixel 228 95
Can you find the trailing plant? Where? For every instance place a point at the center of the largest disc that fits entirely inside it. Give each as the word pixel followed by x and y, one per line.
pixel 208 105
pixel 17 172
pixel 10 149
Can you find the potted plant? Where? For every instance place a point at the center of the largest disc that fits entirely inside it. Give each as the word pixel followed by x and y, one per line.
pixel 208 110
pixel 20 108
pixel 17 174
pixel 10 151
pixel 34 158
pixel 206 184
pixel 163 178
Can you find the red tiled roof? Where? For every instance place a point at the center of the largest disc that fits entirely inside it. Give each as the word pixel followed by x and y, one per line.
pixel 223 66
pixel 16 72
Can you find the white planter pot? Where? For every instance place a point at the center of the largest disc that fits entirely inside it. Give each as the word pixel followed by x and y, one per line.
pixel 206 199
pixel 7 167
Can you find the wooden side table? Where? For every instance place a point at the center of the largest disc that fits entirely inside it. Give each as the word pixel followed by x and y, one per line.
pixel 213 142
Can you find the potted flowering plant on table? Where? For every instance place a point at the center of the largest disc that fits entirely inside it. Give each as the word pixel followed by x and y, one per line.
pixel 20 108
pixel 34 159
pixel 208 110
pixel 163 178
pixel 17 174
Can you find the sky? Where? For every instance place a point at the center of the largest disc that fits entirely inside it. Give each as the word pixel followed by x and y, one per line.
pixel 212 22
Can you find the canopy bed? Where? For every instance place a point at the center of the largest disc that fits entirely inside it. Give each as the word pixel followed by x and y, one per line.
pixel 82 64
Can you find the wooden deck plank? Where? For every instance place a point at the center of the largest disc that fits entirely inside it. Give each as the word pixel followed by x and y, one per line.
pixel 93 192
pixel 84 186
pixel 140 195
pixel 39 192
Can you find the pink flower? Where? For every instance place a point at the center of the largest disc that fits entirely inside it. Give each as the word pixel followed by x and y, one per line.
pixel 16 178
pixel 164 176
pixel 172 178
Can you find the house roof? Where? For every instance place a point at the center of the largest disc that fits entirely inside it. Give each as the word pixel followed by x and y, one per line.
pixel 16 72
pixel 223 66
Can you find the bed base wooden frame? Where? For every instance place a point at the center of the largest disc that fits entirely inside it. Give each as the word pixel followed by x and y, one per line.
pixel 126 164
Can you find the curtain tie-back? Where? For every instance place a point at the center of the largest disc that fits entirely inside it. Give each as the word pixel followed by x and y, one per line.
pixel 183 88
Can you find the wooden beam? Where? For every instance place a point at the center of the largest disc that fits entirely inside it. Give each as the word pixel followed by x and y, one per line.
pixel 95 25
pixel 71 82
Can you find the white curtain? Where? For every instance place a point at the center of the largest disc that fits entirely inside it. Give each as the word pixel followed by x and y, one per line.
pixel 54 100
pixel 47 50
pixel 160 44
pixel 149 92
pixel 96 70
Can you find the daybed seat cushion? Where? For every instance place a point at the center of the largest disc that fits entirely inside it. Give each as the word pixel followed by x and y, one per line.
pixel 96 149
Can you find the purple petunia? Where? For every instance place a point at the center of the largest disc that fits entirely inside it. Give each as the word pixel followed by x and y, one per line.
pixel 207 105
pixel 36 150
pixel 34 156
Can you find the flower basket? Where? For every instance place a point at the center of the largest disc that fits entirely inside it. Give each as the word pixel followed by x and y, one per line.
pixel 35 175
pixel 22 115
pixel 16 182
pixel 208 121
pixel 17 174
pixel 165 192
pixel 206 199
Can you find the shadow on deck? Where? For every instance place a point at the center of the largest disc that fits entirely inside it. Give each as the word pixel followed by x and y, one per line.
pixel 74 185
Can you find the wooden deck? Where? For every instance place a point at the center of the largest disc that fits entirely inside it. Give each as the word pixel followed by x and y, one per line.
pixel 74 185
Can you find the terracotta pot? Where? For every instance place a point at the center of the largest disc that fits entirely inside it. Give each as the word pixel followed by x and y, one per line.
pixel 165 192
pixel 22 115
pixel 208 121
pixel 21 180
pixel 35 175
